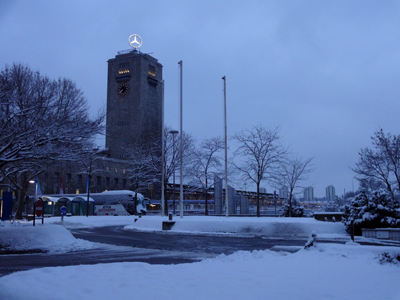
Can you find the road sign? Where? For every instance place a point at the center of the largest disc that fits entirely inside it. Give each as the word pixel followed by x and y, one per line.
pixel 63 210
pixel 39 208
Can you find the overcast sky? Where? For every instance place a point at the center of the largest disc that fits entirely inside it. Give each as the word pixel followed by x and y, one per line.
pixel 326 72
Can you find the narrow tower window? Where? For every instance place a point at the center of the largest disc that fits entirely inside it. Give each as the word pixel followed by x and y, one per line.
pixel 152 70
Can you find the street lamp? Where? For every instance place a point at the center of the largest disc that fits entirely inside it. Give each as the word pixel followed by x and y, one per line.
pixel 33 182
pixel 92 159
pixel 36 182
pixel 173 132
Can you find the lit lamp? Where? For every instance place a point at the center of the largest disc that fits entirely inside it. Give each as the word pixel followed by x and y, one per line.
pixel 36 187
pixel 34 201
pixel 33 181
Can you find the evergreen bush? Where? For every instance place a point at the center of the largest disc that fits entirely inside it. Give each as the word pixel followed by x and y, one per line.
pixel 297 209
pixel 375 210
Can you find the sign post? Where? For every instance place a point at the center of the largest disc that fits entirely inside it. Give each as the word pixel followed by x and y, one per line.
pixel 38 210
pixel 63 212
pixel 7 206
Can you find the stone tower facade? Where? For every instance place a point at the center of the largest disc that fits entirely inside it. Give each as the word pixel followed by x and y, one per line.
pixel 134 101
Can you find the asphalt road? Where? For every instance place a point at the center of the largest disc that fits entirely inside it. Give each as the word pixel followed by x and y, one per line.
pixel 104 254
pixel 172 241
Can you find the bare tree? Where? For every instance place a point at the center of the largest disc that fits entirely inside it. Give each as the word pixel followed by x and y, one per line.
pixel 258 155
pixel 88 158
pixel 206 163
pixel 381 163
pixel 145 160
pixel 291 172
pixel 369 185
pixel 42 120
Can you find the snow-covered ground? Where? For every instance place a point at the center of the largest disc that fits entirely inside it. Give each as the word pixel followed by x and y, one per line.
pixel 327 271
pixel 267 226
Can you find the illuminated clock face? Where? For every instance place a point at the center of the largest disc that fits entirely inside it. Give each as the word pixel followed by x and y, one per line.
pixel 123 89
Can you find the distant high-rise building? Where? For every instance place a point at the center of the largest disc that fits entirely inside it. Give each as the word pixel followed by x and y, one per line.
pixel 283 193
pixel 330 193
pixel 263 190
pixel 309 194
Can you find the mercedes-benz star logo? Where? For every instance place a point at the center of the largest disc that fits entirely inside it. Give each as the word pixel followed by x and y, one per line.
pixel 135 41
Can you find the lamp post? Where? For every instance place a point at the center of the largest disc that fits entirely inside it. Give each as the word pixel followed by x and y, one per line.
pixel 36 182
pixel 162 151
pixel 173 132
pixel 36 192
pixel 92 159
pixel 88 188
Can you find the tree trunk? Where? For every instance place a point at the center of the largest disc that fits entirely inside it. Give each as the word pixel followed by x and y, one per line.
pixel 165 199
pixel 258 199
pixel 206 208
pixel 21 197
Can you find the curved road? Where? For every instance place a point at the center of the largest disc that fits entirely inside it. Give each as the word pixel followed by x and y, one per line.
pixel 172 241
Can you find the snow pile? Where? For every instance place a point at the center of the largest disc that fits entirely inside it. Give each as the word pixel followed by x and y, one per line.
pixel 271 227
pixel 328 271
pixel 91 221
pixel 47 238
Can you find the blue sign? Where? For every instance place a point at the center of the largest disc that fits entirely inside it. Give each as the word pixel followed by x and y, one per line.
pixel 7 206
pixel 63 210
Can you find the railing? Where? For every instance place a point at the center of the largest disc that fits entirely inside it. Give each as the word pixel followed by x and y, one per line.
pixel 382 233
pixel 126 51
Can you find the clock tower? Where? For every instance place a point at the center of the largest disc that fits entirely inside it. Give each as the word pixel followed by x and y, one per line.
pixel 134 101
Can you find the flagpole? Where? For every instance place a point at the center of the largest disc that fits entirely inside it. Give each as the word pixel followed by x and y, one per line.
pixel 226 153
pixel 181 145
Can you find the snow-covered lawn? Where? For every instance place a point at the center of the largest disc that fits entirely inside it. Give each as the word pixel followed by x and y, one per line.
pixel 328 271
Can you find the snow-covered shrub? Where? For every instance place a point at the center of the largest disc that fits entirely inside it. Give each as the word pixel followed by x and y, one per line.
pixel 297 209
pixel 331 206
pixel 389 258
pixel 310 214
pixel 130 208
pixel 311 241
pixel 375 210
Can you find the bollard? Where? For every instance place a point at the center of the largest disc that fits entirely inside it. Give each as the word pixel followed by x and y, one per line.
pixel 352 230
